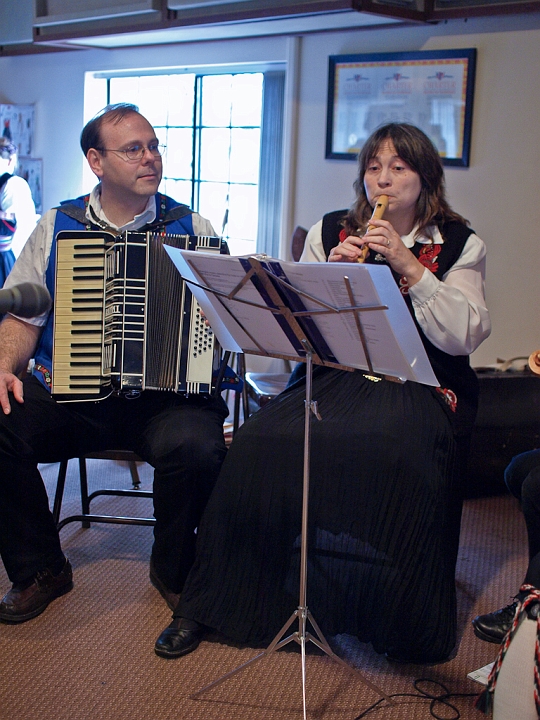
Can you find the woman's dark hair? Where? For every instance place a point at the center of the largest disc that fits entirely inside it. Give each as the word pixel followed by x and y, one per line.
pixel 91 133
pixel 416 149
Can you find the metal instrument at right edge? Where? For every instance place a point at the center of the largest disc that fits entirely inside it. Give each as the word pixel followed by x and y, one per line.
pixel 534 362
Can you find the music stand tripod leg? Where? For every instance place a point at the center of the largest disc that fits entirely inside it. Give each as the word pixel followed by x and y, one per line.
pixel 302 614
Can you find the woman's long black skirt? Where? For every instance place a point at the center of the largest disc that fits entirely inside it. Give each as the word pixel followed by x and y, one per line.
pixel 384 519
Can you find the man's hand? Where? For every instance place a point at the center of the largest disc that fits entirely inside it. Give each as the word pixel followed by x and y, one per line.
pixel 9 383
pixel 18 340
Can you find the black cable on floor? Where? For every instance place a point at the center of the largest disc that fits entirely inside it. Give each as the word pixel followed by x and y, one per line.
pixel 441 698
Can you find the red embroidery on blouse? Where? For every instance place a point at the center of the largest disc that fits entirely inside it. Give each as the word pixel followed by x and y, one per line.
pixel 428 258
pixel 449 396
pixel 403 285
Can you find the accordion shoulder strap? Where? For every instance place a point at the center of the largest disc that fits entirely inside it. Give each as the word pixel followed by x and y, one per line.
pixel 78 213
pixel 74 211
pixel 175 213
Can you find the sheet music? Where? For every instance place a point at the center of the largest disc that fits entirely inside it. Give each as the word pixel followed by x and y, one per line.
pixel 394 346
pixel 391 337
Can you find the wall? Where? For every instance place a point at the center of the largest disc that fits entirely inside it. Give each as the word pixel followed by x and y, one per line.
pixel 498 192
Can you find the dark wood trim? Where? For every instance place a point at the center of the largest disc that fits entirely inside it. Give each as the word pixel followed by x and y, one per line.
pixel 51 38
pixel 32 49
pixel 228 13
pixel 397 11
pixel 504 8
pixel 261 9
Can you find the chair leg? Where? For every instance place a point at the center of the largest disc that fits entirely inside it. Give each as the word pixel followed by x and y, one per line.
pixel 85 502
pixel 86 517
pixel 135 479
pixel 59 494
pixel 243 396
pixel 236 413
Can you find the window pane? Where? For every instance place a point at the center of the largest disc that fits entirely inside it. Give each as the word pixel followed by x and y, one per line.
pixel 124 90
pixel 177 160
pixel 247 99
pixel 162 99
pixel 180 190
pixel 244 160
pixel 180 95
pixel 241 230
pixel 215 147
pixel 216 100
pixel 243 213
pixel 153 98
pixel 213 203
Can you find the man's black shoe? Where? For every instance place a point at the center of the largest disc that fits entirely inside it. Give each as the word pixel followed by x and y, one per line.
pixel 180 638
pixel 169 596
pixel 21 604
pixel 492 627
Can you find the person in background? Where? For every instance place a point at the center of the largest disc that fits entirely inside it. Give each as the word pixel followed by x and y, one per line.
pixel 17 211
pixel 181 436
pixel 386 458
pixel 522 477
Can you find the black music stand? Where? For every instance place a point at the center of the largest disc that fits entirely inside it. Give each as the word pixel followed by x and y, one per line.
pixel 278 306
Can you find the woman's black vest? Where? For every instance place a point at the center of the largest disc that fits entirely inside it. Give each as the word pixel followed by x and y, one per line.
pixel 452 371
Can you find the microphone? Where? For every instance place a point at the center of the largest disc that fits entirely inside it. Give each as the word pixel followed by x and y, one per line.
pixel 26 300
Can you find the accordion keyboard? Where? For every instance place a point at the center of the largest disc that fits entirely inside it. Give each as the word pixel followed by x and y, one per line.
pixel 78 319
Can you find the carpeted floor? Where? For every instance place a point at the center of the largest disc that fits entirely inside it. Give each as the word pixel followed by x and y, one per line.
pixel 90 655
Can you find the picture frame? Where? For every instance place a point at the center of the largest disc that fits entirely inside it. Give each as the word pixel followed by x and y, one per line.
pixel 432 89
pixel 17 125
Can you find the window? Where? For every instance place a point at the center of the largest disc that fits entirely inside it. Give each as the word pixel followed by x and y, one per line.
pixel 223 134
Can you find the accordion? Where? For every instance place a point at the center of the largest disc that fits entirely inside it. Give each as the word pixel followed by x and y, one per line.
pixel 125 320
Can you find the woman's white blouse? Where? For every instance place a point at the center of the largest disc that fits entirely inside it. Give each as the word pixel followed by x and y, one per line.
pixel 451 312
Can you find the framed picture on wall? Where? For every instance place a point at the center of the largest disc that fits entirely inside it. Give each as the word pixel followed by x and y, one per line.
pixel 17 125
pixel 31 170
pixel 432 89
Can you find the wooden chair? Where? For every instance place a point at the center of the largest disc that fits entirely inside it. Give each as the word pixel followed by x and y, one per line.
pixel 298 241
pixel 262 387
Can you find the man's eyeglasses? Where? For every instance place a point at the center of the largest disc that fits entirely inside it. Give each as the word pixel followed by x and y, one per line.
pixel 136 152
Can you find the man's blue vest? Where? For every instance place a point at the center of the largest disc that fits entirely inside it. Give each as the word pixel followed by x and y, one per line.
pixel 180 226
